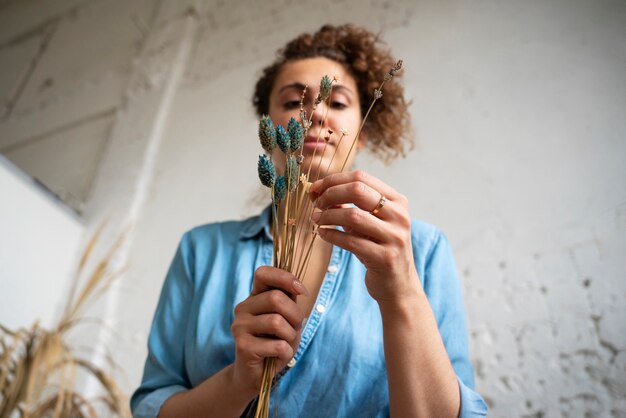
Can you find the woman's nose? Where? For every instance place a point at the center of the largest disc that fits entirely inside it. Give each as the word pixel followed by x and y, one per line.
pixel 320 116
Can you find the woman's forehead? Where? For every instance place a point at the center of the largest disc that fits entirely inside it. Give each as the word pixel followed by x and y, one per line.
pixel 309 71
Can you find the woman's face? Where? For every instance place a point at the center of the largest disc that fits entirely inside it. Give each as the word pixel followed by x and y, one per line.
pixel 344 113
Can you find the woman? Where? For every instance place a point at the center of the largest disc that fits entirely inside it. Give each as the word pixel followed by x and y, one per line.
pixel 376 328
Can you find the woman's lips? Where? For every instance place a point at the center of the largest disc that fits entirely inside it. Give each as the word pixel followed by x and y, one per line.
pixel 313 143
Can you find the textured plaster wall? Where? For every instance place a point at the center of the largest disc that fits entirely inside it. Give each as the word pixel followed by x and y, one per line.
pixel 520 115
pixel 64 69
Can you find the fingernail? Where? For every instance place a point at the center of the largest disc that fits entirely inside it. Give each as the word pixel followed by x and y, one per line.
pixel 299 288
pixel 315 185
pixel 316 216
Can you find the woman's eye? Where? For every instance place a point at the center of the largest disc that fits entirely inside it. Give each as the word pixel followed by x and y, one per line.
pixel 292 104
pixel 338 105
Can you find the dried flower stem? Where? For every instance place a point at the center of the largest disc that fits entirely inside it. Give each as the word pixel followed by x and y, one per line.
pixel 377 95
pixel 343 134
pixel 319 132
pixel 269 371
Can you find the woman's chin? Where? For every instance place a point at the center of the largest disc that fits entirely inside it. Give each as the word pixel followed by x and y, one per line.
pixel 319 168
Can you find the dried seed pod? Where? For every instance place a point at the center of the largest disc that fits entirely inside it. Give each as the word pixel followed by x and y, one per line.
pixel 267 171
pixel 292 172
pixel 325 85
pixel 282 139
pixel 395 68
pixel 296 134
pixel 267 134
pixel 280 189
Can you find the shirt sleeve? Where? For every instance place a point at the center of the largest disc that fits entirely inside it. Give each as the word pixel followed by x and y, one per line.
pixel 164 371
pixel 443 289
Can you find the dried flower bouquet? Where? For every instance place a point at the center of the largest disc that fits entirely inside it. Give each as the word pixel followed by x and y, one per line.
pixel 293 230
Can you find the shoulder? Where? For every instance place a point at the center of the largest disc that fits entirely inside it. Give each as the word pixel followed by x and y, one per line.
pixel 221 232
pixel 210 244
pixel 214 239
pixel 424 233
pixel 434 260
pixel 425 238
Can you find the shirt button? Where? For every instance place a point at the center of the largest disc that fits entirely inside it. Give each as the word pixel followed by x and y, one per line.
pixel 320 308
pixel 291 363
pixel 333 269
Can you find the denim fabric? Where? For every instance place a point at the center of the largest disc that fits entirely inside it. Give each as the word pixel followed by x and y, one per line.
pixel 339 368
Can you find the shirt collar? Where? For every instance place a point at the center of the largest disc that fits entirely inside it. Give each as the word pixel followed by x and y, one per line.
pixel 258 224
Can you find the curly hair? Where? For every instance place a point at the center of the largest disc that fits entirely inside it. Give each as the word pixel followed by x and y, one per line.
pixel 363 54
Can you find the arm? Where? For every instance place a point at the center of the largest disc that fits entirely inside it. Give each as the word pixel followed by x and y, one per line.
pixel 266 324
pixel 165 389
pixel 422 381
pixel 219 395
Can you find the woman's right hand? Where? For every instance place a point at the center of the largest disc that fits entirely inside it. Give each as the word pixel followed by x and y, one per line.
pixel 267 324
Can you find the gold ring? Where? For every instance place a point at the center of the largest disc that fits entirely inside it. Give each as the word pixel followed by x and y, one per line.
pixel 380 205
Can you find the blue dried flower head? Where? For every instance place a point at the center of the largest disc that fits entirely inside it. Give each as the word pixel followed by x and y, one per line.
pixel 282 139
pixel 295 133
pixel 292 172
pixel 325 84
pixel 280 189
pixel 267 172
pixel 267 134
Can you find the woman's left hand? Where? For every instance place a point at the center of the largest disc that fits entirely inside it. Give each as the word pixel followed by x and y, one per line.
pixel 381 240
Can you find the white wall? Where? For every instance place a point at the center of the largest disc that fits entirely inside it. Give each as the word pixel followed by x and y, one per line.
pixel 38 248
pixel 520 114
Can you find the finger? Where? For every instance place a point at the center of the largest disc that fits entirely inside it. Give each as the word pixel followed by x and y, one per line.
pixel 267 278
pixel 361 195
pixel 365 250
pixel 354 192
pixel 355 221
pixel 272 325
pixel 275 302
pixel 320 186
pixel 250 345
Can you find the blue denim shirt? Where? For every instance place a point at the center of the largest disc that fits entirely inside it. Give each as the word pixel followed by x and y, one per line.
pixel 339 368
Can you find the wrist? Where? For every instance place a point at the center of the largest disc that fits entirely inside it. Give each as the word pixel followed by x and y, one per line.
pixel 239 385
pixel 404 308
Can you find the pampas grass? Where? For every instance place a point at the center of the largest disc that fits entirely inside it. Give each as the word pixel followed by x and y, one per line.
pixel 38 367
